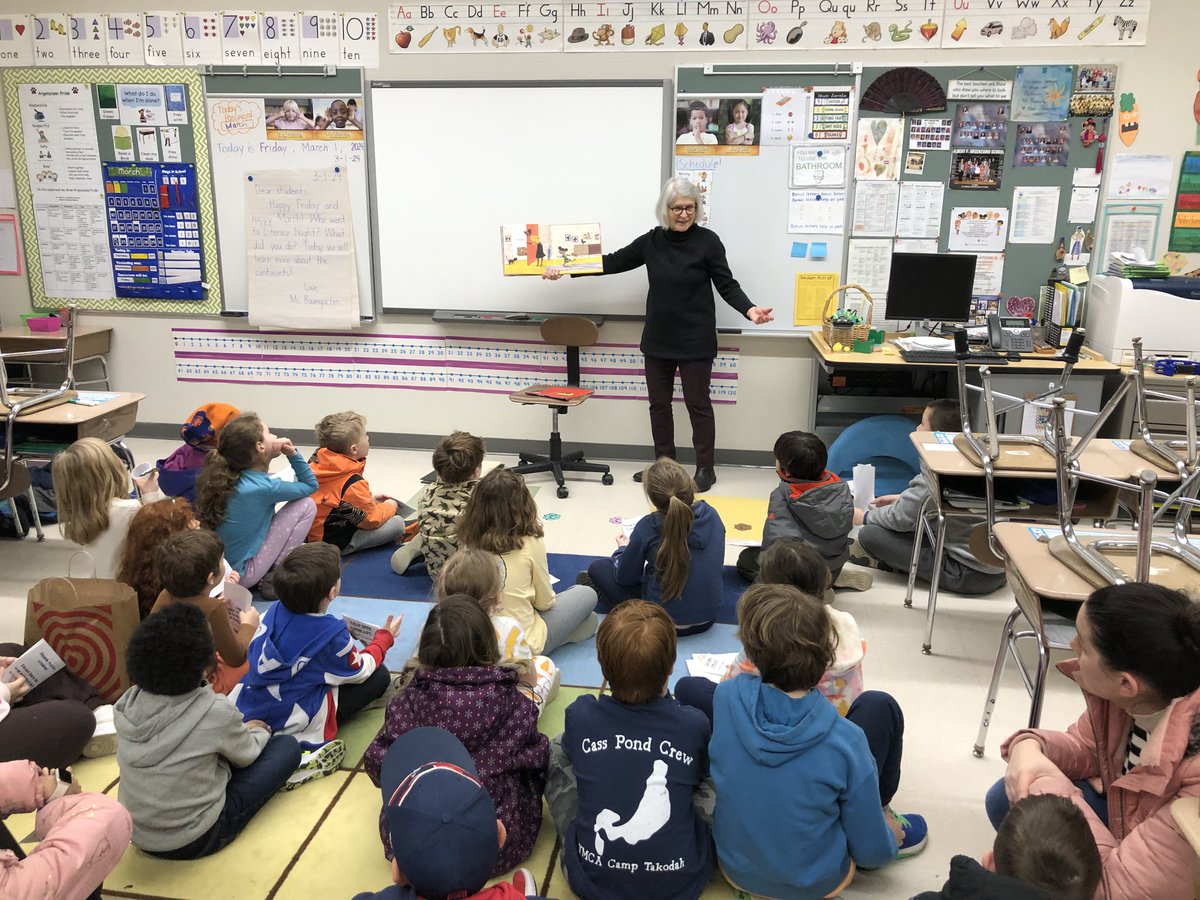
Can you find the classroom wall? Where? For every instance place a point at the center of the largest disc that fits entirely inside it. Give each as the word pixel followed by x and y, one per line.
pixel 776 374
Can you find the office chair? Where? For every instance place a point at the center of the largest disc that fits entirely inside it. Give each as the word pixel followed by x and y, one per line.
pixel 573 332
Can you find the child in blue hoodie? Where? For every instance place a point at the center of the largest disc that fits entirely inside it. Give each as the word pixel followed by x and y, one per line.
pixel 783 759
pixel 673 557
pixel 307 675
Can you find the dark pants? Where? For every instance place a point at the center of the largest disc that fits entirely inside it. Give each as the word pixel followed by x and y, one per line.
pixel 609 594
pixel 997 805
pixel 876 713
pixel 52 723
pixel 695 375
pixel 248 791
pixel 748 565
pixel 354 698
pixel 894 549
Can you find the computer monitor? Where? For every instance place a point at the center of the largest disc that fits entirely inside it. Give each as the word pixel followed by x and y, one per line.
pixel 934 287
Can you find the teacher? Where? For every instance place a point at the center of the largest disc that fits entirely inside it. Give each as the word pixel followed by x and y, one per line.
pixel 683 261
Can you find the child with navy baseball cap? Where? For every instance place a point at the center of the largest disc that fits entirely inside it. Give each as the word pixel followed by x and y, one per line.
pixel 442 822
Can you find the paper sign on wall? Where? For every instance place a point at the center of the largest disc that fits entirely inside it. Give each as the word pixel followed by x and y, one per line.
pixel 163 44
pixel 818 166
pixel 280 38
pixel 51 46
pixel 300 265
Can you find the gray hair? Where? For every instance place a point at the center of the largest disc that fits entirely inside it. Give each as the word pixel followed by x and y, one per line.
pixel 676 188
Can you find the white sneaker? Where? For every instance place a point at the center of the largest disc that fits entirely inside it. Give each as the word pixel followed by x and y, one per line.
pixel 316 764
pixel 523 881
pixel 104 738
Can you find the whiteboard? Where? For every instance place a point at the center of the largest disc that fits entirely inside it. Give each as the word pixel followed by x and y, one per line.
pixel 456 161
pixel 240 145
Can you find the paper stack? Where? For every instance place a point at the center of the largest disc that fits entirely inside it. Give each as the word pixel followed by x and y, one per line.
pixel 712 666
pixel 1136 265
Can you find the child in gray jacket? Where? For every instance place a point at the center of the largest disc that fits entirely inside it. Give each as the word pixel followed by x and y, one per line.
pixel 810 503
pixel 888 531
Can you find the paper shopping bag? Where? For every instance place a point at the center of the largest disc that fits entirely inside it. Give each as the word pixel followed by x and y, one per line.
pixel 88 623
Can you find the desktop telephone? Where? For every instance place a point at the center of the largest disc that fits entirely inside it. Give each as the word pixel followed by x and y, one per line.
pixel 1010 334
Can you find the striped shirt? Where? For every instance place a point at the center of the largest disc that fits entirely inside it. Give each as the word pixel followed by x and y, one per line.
pixel 1139 736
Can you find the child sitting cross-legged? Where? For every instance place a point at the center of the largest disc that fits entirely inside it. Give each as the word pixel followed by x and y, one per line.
pixel 349 515
pixel 307 676
pixel 442 822
pixel 792 561
pixel 1043 851
pixel 623 773
pixel 193 773
pixel 480 575
pixel 784 759
pixel 457 683
pixel 190 567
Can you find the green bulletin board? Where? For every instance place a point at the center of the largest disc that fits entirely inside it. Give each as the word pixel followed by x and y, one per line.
pixel 193 147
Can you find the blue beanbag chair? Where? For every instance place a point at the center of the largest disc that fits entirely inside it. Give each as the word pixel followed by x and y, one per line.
pixel 880 441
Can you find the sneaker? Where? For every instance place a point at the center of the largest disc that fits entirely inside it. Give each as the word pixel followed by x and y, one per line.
pixel 316 764
pixel 861 557
pixel 704 479
pixel 854 579
pixel 637 476
pixel 104 738
pixel 523 881
pixel 586 580
pixel 393 688
pixel 916 833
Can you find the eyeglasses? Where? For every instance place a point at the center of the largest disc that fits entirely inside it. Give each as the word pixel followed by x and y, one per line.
pixel 682 210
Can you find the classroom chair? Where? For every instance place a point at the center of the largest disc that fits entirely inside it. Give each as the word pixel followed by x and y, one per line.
pixel 880 441
pixel 572 332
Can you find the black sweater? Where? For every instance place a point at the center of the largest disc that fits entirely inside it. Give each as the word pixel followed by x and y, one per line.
pixel 682 267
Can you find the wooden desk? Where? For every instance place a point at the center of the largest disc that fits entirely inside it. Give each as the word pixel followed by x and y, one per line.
pixel 68 422
pixel 92 344
pixel 889 355
pixel 887 374
pixel 1034 575
pixel 945 468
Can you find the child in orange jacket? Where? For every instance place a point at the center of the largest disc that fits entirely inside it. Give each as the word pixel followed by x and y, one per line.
pixel 349 516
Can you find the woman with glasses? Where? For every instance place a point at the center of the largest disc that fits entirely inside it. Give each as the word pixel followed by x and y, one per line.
pixel 683 261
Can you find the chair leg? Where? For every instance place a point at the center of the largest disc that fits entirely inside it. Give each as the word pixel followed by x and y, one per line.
pixel 1039 684
pixel 37 520
pixel 939 548
pixel 918 537
pixel 989 704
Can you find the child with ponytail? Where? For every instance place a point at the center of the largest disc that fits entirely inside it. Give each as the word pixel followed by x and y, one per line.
pixel 673 557
pixel 480 575
pixel 236 498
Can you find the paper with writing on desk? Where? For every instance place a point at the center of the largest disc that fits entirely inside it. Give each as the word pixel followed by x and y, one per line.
pixel 36 664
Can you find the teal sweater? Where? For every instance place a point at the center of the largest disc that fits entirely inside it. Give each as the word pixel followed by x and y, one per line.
pixel 252 506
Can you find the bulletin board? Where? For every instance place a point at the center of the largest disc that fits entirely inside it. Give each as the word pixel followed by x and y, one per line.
pixel 96 230
pixel 750 194
pixel 239 103
pixel 1026 266
pixel 460 161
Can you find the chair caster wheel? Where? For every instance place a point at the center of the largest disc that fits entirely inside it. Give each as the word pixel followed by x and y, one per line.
pixel 563 493
pixel 607 478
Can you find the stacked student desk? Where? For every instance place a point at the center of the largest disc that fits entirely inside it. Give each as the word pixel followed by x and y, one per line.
pixel 946 469
pixel 887 373
pixel 92 344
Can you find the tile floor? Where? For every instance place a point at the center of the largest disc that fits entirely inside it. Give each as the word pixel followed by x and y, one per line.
pixel 321 841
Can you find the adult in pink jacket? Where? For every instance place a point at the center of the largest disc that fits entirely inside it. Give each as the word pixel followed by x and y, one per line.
pixel 81 836
pixel 1135 749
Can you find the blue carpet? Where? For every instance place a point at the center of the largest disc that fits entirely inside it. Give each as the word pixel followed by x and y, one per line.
pixel 369 574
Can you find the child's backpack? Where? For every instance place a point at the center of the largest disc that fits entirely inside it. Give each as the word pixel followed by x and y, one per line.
pixel 343 520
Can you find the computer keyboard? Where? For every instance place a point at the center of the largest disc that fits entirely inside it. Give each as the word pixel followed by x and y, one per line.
pixel 947 356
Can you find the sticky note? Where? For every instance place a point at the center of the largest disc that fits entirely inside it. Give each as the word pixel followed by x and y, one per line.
pixel 1076 275
pixel 819 250
pixel 799 249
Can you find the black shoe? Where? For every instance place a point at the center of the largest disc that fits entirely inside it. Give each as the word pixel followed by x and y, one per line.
pixel 637 476
pixel 705 479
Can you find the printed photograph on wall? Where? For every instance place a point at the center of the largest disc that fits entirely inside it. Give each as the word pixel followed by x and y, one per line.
pixel 314 118
pixel 1042 144
pixel 976 170
pixel 738 122
pixel 696 122
pixel 1095 79
pixel 980 125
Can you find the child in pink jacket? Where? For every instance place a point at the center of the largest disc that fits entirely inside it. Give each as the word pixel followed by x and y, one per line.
pixel 82 836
